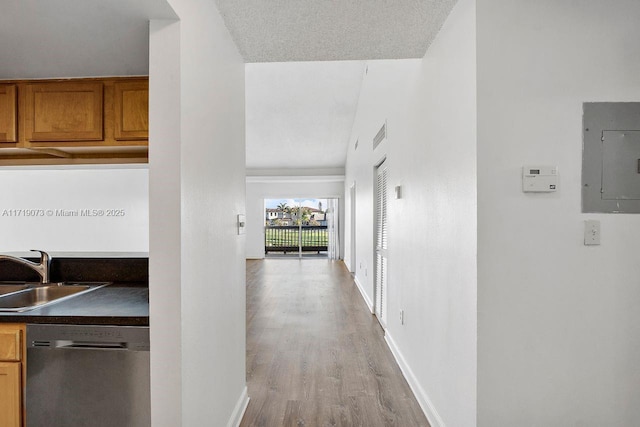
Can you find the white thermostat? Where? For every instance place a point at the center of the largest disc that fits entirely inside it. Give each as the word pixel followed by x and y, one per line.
pixel 539 179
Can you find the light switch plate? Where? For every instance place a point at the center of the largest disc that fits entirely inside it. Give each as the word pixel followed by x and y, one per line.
pixel 591 232
pixel 242 222
pixel 398 191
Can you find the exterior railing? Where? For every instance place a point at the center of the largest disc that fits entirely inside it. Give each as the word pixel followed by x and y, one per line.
pixel 288 238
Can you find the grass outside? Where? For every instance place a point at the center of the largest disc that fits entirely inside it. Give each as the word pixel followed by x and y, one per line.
pixel 287 237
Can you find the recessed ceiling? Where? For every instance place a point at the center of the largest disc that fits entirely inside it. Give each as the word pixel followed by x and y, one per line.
pixel 327 30
pixel 299 114
pixel 77 38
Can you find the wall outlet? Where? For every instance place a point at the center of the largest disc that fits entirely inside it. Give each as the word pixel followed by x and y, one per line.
pixel 402 317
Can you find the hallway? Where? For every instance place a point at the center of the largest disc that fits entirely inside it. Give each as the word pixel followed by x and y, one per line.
pixel 315 354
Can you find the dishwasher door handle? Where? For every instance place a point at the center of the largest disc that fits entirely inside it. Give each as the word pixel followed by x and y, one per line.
pixel 98 338
pixel 90 345
pixel 79 345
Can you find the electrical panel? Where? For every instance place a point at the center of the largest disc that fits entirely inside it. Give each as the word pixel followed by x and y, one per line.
pixel 621 165
pixel 611 157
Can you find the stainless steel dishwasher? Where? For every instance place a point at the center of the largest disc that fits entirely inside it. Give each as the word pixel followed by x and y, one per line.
pixel 90 376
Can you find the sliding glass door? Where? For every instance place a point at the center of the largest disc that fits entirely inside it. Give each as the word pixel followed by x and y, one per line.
pixel 302 228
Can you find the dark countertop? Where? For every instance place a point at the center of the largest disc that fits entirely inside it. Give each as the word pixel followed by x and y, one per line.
pixel 112 305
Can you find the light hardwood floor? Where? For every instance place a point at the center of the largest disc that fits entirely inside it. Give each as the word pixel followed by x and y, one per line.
pixel 315 354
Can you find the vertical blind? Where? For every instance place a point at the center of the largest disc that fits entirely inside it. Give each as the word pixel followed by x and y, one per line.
pixel 381 242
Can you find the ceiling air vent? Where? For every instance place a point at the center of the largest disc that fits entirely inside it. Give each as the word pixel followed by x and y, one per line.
pixel 381 135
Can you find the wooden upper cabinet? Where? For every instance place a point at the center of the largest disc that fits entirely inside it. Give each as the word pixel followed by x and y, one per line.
pixel 72 121
pixel 131 104
pixel 63 111
pixel 8 114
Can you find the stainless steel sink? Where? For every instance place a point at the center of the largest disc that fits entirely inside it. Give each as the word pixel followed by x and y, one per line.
pixel 6 288
pixel 36 296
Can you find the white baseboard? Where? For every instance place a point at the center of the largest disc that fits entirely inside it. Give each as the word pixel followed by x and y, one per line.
pixel 425 403
pixel 366 298
pixel 238 411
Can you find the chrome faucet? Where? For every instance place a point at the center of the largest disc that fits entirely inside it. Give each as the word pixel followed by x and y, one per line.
pixel 42 268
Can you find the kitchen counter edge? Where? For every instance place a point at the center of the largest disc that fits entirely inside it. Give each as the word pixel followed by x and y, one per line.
pixel 116 304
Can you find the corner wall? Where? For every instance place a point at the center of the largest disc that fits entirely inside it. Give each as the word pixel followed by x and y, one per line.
pixel 558 337
pixel 164 224
pixel 197 184
pixel 429 106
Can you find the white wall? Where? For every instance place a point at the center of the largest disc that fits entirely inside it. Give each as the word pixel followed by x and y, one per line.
pixel 259 189
pixel 557 321
pixel 430 109
pixel 203 195
pixel 74 209
pixel 165 259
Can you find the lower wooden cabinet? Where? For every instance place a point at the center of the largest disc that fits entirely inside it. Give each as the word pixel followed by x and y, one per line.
pixel 10 394
pixel 10 343
pixel 12 374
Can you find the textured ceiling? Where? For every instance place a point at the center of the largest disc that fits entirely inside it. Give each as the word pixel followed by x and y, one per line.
pixel 299 114
pixel 326 30
pixel 76 38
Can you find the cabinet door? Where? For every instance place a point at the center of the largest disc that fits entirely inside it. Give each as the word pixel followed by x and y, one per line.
pixel 8 116
pixel 63 111
pixel 131 110
pixel 10 343
pixel 10 396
